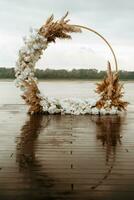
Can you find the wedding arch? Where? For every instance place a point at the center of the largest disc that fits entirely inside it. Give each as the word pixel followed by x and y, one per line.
pixel 109 90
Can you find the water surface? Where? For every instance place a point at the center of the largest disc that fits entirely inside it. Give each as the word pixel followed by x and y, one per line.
pixel 9 94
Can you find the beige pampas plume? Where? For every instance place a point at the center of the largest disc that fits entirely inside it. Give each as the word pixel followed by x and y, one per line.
pixel 31 97
pixel 110 89
pixel 58 29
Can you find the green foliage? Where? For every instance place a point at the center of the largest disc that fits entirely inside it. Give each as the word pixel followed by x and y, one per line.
pixel 7 73
pixel 87 74
pixel 70 74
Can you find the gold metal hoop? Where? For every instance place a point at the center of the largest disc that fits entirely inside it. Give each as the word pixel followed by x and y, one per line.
pixel 108 44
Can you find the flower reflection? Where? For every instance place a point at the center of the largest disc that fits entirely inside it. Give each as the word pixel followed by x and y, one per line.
pixel 109 132
pixel 35 173
pixel 29 166
pixel 26 141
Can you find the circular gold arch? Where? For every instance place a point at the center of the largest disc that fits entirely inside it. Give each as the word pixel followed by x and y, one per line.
pixel 104 39
pixel 109 89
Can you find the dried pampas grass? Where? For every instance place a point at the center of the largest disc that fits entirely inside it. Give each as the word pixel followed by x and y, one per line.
pixel 59 29
pixel 32 97
pixel 110 90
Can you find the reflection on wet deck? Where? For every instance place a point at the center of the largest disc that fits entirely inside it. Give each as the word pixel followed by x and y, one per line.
pixel 65 157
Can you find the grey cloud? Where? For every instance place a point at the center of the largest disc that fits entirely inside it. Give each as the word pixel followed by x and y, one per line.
pixel 114 19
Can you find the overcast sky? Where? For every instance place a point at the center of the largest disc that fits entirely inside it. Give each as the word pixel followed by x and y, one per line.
pixel 112 18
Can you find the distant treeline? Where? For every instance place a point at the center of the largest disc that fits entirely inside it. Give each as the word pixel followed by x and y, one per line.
pixel 8 73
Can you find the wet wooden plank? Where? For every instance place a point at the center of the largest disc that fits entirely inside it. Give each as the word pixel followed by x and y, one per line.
pixel 65 157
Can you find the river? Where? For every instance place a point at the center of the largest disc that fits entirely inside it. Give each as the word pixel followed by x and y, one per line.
pixel 9 94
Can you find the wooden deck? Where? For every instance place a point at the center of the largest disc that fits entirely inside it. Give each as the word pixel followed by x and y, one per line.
pixel 66 157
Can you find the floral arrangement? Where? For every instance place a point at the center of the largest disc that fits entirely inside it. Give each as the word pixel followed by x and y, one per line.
pixel 31 52
pixel 111 92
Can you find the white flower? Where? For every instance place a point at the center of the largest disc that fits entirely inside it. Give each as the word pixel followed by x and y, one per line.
pixel 76 112
pixel 113 111
pixel 27 58
pixel 52 109
pixel 103 111
pixel 95 111
pixel 34 36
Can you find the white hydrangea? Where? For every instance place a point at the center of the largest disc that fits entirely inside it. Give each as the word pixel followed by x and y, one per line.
pixel 74 106
pixel 29 54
